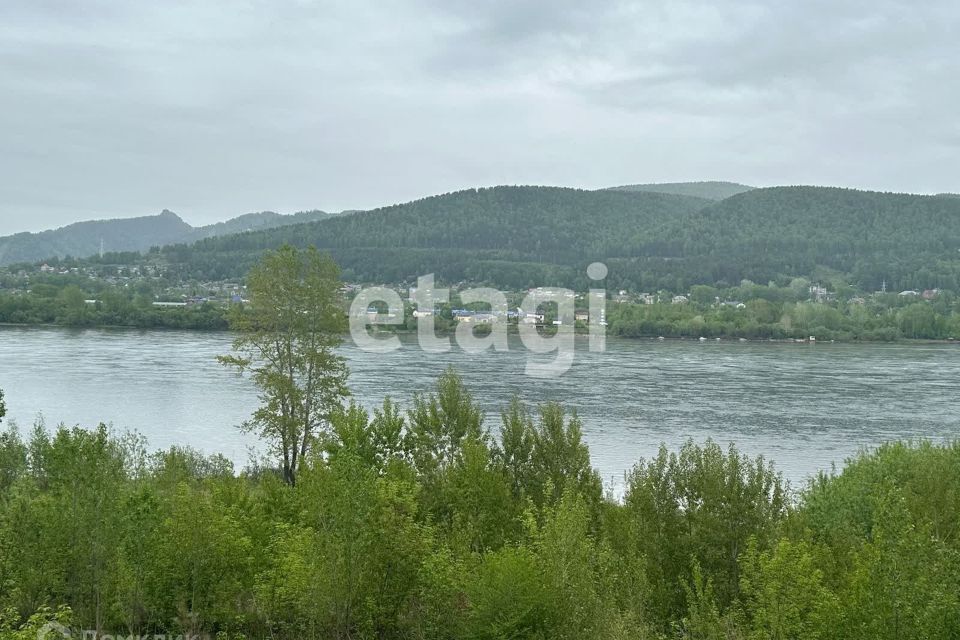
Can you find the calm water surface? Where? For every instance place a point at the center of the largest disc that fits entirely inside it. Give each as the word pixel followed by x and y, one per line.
pixel 804 406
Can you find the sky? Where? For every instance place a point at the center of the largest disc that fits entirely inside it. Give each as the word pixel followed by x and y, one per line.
pixel 213 109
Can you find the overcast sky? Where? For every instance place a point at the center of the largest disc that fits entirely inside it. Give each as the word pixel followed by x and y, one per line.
pixel 116 109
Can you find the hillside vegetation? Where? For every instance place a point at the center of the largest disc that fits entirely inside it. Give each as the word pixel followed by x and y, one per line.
pixel 531 236
pixel 518 237
pixel 510 236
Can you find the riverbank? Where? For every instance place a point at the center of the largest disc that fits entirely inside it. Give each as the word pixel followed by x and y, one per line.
pixel 512 330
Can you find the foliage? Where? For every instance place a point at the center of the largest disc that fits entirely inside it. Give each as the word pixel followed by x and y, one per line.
pixel 65 303
pixel 699 508
pixel 424 525
pixel 520 237
pixel 286 340
pixel 777 313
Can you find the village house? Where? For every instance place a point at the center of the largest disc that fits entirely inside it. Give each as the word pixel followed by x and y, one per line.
pixel 818 293
pixel 375 316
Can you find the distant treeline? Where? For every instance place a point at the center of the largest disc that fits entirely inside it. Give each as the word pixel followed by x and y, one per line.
pixel 761 319
pixel 750 311
pixel 67 305
pixel 424 525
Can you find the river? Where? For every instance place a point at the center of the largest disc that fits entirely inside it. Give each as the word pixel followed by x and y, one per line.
pixel 804 406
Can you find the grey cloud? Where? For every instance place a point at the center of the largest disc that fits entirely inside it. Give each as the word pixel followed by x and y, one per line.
pixel 213 109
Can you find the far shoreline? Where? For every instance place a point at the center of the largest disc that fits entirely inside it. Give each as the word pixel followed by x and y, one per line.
pixel 512 330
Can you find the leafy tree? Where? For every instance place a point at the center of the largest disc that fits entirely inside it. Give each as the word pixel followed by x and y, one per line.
pixel 786 595
pixel 44 624
pixel 286 339
pixel 477 503
pixel 568 559
pixel 919 321
pixel 703 619
pixel 515 451
pixel 347 567
pixel 507 596
pixel 199 572
pixel 904 582
pixel 561 461
pixel 441 423
pixel 378 443
pixel 704 505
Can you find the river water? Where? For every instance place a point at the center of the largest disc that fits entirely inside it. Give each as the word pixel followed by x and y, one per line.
pixel 804 406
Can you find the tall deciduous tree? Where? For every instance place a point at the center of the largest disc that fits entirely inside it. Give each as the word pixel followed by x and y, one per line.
pixel 286 341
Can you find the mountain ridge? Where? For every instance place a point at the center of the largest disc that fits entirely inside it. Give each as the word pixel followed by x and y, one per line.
pixel 138 233
pixel 520 236
pixel 709 189
pixel 531 236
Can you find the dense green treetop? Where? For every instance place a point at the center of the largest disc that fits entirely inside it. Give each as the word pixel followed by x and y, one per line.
pixel 285 340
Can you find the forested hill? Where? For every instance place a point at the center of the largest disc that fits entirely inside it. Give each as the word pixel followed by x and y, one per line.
pixel 523 236
pixel 515 237
pixel 508 236
pixel 83 238
pixel 132 234
pixel 711 190
pixel 911 241
pixel 258 221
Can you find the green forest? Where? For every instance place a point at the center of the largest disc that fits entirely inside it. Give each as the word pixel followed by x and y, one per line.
pixel 520 237
pixel 886 319
pixel 432 523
